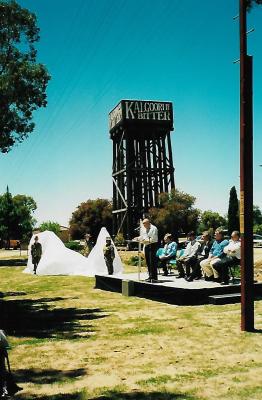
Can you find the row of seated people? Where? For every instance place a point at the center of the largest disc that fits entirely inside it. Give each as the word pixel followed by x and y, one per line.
pixel 206 258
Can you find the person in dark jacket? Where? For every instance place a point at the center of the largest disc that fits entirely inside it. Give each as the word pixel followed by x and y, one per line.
pixel 187 260
pixel 36 253
pixel 109 255
pixel 201 254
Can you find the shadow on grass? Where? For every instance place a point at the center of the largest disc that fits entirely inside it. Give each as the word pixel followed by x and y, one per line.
pixel 69 396
pixel 9 294
pixel 113 395
pixel 13 262
pixel 47 376
pixel 38 319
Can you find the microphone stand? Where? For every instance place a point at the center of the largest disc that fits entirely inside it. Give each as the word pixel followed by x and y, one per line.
pixel 139 259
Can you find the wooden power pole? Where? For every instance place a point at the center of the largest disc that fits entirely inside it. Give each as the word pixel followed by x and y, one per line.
pixel 246 176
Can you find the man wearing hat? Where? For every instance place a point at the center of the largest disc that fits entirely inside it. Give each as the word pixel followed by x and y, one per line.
pixel 36 253
pixel 109 255
pixel 88 246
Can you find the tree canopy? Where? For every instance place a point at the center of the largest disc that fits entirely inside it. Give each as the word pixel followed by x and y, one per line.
pixel 176 213
pixel 257 220
pixel 23 81
pixel 211 220
pixel 16 216
pixel 90 217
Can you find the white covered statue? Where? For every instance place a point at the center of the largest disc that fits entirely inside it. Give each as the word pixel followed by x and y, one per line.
pixel 96 261
pixel 57 259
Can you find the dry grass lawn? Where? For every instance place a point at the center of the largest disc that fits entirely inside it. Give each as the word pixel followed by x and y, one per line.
pixel 71 341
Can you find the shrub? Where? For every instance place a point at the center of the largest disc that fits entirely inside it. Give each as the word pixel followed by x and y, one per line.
pixel 119 240
pixel 258 229
pixel 51 226
pixel 134 260
pixel 76 246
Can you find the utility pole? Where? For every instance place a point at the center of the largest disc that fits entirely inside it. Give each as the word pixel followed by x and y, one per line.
pixel 246 176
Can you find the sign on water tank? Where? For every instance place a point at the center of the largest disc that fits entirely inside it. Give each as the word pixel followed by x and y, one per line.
pixel 160 112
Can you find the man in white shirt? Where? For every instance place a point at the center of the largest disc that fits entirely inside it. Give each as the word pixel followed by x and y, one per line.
pixel 149 237
pixel 188 258
pixel 231 256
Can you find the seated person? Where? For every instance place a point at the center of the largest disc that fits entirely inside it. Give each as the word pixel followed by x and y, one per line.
pixel 201 254
pixel 232 255
pixel 188 259
pixel 216 253
pixel 167 253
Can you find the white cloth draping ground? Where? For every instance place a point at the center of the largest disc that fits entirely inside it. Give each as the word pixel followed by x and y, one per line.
pixel 58 260
pixel 95 260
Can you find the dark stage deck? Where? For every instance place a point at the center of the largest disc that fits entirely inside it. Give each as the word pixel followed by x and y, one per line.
pixel 172 290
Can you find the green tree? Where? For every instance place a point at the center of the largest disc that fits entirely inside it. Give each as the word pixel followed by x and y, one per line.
pixel 23 81
pixel 90 217
pixel 258 229
pixel 211 220
pixel 176 213
pixel 257 216
pixel 16 216
pixel 233 211
pixel 25 207
pixel 50 226
pixel 8 220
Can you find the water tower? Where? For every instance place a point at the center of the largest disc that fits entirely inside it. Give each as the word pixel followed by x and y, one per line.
pixel 142 159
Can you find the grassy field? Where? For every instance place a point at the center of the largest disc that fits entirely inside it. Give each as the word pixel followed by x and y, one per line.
pixel 71 341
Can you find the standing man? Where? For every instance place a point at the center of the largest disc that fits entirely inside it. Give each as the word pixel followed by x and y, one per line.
pixel 109 255
pixel 149 237
pixel 88 246
pixel 36 253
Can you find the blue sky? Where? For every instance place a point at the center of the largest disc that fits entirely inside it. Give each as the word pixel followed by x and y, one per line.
pixel 101 51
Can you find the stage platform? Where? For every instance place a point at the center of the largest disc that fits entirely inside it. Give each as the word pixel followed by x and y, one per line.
pixel 171 290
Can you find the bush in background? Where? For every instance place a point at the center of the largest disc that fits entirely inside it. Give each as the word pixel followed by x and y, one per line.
pixel 134 260
pixel 119 240
pixel 76 246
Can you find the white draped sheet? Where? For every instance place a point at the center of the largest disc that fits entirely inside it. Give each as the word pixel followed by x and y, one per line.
pixel 96 261
pixel 59 260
